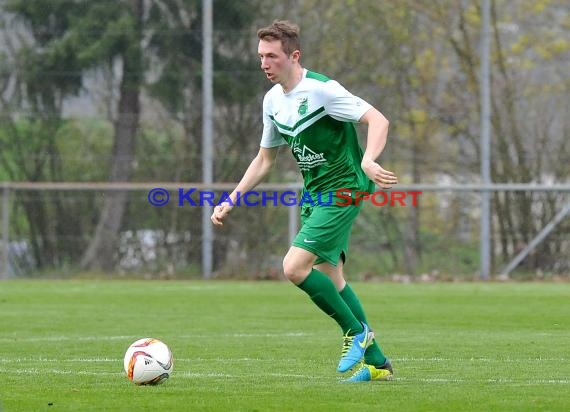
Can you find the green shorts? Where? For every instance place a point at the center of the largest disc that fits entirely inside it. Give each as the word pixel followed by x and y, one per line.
pixel 325 231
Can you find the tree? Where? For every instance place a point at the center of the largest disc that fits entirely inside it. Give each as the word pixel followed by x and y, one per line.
pixel 161 40
pixel 176 49
pixel 520 126
pixel 118 34
pixel 31 102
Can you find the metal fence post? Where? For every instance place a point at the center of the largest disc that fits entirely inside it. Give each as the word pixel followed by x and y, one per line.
pixel 485 233
pixel 5 268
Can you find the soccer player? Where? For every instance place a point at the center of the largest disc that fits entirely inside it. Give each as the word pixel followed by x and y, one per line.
pixel 315 116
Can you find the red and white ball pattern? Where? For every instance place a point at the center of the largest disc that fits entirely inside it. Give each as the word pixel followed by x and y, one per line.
pixel 148 361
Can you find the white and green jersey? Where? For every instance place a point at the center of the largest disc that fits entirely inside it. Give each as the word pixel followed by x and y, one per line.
pixel 316 119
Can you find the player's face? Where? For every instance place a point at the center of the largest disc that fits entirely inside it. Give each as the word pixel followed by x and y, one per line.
pixel 275 63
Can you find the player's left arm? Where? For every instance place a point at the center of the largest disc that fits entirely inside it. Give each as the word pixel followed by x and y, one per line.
pixel 375 143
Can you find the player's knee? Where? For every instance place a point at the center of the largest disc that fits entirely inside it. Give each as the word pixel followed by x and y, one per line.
pixel 293 271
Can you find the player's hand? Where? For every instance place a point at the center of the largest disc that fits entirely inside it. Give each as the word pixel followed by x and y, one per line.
pixel 220 212
pixel 382 177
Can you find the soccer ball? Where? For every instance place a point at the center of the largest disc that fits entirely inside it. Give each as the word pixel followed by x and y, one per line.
pixel 148 361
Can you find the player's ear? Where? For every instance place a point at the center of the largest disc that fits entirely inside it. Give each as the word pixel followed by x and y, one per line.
pixel 296 55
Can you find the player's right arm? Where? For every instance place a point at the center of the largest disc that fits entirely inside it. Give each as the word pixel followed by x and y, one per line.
pixel 259 167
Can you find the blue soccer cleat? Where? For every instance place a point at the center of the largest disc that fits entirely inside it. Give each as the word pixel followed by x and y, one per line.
pixel 368 373
pixel 353 348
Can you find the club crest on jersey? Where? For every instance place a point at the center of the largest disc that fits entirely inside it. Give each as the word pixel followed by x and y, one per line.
pixel 303 105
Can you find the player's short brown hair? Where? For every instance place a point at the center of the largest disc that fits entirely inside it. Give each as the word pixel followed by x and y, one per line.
pixel 282 30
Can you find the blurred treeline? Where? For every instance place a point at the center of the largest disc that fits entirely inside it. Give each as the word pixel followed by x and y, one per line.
pixel 110 90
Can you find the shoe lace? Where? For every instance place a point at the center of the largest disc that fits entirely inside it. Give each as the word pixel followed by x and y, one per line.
pixel 346 344
pixel 361 368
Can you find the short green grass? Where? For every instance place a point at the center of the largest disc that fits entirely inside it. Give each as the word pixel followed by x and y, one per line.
pixel 262 346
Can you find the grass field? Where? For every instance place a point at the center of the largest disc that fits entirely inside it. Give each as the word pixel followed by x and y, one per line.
pixel 264 347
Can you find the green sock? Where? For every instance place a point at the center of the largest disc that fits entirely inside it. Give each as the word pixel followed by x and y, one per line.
pixel 373 355
pixel 322 291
